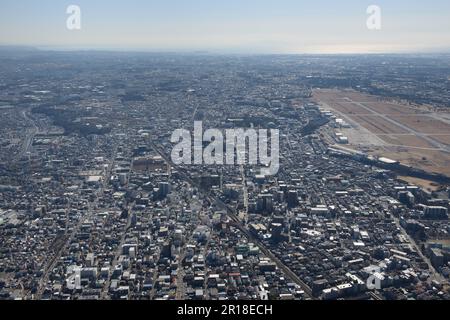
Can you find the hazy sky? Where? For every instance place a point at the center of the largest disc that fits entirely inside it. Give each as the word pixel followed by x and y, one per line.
pixel 250 26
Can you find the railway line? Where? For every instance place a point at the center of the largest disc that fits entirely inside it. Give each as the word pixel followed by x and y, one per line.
pixel 238 224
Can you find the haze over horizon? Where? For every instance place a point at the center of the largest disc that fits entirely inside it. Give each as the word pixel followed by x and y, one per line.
pixel 286 26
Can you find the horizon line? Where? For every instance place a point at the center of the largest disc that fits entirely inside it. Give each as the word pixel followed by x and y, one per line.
pixel 51 48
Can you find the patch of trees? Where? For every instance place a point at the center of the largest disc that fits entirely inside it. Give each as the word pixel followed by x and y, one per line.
pixel 65 118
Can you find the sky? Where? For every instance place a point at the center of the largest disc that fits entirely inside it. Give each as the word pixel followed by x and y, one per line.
pixel 229 26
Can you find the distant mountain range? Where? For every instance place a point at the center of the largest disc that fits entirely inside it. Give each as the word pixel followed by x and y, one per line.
pixel 4 48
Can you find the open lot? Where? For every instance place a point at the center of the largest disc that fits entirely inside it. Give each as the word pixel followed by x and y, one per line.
pixel 377 125
pixel 443 138
pixel 423 124
pixel 412 135
pixel 409 140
